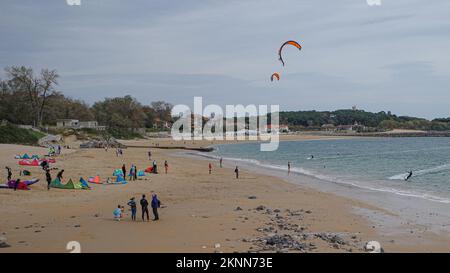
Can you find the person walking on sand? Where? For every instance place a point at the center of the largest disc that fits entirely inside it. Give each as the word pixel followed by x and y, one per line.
pixel 135 173
pixel 236 171
pixel 150 155
pixel 9 173
pixel 166 166
pixel 133 207
pixel 289 167
pixel 48 177
pixel 210 167
pixel 144 206
pixel 220 162
pixel 155 205
pixel 124 171
pixel 59 176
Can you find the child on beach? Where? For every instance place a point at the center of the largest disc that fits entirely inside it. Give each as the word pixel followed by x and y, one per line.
pixel 166 166
pixel 117 213
pixel 132 205
pixel 210 167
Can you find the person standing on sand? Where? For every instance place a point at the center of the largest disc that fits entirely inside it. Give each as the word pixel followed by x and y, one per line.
pixel 289 167
pixel 220 162
pixel 48 177
pixel 59 176
pixel 144 205
pixel 155 205
pixel 236 171
pixel 124 171
pixel 132 204
pixel 8 169
pixel 210 167
pixel 166 166
pixel 16 184
pixel 150 155
pixel 135 173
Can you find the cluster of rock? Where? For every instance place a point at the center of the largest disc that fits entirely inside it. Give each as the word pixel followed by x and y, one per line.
pixel 98 143
pixel 282 233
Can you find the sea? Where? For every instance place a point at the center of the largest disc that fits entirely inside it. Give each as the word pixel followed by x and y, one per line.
pixel 369 169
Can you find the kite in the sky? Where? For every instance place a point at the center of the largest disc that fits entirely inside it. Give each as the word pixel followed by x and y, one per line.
pixel 293 43
pixel 275 75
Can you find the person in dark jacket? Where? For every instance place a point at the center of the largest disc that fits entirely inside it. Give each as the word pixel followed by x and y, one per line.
pixel 8 169
pixel 60 175
pixel 155 205
pixel 236 171
pixel 124 170
pixel 16 184
pixel 132 204
pixel 48 176
pixel 144 205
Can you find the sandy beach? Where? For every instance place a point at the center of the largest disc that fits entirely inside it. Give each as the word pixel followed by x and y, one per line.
pixel 200 212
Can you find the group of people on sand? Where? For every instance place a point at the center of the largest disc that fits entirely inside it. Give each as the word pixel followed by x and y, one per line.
pixel 155 203
pixel 210 167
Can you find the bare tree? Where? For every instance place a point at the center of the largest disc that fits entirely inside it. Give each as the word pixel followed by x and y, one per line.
pixel 37 88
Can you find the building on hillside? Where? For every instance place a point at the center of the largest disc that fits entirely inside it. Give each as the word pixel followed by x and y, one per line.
pixel 277 128
pixel 329 127
pixel 76 124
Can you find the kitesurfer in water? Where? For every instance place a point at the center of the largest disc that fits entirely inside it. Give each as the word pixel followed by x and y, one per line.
pixel 409 175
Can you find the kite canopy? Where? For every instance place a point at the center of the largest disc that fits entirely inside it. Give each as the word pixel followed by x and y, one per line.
pixel 149 170
pixel 21 186
pixel 25 156
pixel 84 183
pixel 293 43
pixel 141 173
pixel 27 162
pixel 69 185
pixel 95 180
pixel 118 172
pixel 120 178
pixel 275 75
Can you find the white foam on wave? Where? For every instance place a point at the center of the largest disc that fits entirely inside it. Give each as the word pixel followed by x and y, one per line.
pixel 436 169
pixel 346 182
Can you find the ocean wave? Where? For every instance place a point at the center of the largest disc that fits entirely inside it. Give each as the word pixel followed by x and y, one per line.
pixel 341 181
pixel 437 169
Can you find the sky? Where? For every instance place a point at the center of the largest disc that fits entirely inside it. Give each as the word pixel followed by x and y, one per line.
pixel 388 57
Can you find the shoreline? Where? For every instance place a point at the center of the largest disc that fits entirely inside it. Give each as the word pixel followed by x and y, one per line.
pixel 399 213
pixel 199 211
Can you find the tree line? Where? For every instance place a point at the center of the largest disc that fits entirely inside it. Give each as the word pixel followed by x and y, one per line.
pixel 381 120
pixel 31 98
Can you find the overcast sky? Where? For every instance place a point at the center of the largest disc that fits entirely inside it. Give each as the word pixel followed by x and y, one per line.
pixel 389 57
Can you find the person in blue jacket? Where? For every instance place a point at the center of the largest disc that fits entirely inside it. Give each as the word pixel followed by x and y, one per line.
pixel 132 204
pixel 155 205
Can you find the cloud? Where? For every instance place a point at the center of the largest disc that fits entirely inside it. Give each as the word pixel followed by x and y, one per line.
pixel 378 58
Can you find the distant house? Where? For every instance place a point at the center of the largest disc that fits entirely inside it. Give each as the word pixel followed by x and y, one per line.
pixel 76 124
pixel 67 123
pixel 328 127
pixel 277 128
pixel 348 128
